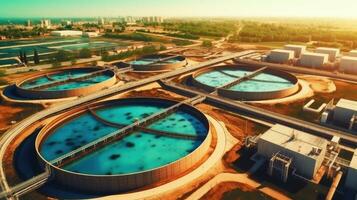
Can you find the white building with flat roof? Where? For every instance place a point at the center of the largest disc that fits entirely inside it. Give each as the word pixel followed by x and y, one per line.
pixel 351 178
pixel 298 49
pixel 306 151
pixel 309 59
pixel 66 33
pixel 352 53
pixel 281 56
pixel 333 53
pixel 344 111
pixel 348 64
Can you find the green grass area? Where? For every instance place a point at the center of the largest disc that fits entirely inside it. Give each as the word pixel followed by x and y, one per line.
pixel 127 54
pixel 135 37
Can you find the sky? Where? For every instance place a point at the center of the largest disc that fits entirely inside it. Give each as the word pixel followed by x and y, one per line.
pixel 179 8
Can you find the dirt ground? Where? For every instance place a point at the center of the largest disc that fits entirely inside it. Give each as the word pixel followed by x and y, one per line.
pixel 217 191
pixel 9 113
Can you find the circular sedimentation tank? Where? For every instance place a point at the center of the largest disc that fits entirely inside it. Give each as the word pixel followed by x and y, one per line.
pixel 164 150
pixel 157 62
pixel 65 83
pixel 267 84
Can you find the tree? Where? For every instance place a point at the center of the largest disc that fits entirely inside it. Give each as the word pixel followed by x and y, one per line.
pixel 36 58
pixel 25 58
pixel 21 56
pixel 61 56
pixel 85 53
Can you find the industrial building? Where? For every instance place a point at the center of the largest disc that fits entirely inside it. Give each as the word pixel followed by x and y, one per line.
pixel 353 53
pixel 281 56
pixel 351 179
pixel 345 112
pixel 298 49
pixel 66 33
pixel 332 52
pixel 290 151
pixel 309 59
pixel 348 64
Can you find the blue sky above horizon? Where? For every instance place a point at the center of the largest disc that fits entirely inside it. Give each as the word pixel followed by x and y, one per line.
pixel 180 8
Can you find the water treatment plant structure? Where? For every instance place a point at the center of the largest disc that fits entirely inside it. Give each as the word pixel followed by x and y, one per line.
pixel 125 175
pixel 157 62
pixel 243 82
pixel 136 125
pixel 61 84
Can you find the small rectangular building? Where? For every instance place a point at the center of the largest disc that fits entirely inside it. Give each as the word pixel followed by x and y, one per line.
pixel 298 49
pixel 281 56
pixel 309 59
pixel 305 151
pixel 344 111
pixel 348 64
pixel 66 33
pixel 351 178
pixel 332 52
pixel 353 53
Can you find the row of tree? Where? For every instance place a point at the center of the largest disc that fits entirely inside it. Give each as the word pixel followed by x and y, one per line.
pixel 24 59
pixel 59 56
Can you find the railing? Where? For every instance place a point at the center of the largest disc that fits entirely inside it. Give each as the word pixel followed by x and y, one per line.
pixel 84 77
pixel 163 59
pixel 27 186
pixel 146 130
pixel 243 78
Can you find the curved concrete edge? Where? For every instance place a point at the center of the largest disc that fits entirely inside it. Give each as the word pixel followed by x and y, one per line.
pixel 188 178
pixel 305 92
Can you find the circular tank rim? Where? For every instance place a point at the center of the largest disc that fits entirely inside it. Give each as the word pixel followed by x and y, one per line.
pixel 229 93
pixel 29 78
pixel 56 94
pixel 45 132
pixel 181 61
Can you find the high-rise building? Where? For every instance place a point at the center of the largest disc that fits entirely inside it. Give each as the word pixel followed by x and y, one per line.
pixel 101 21
pixel 28 23
pixel 45 23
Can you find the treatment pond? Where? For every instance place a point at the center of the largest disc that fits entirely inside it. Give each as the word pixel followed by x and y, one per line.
pixel 159 151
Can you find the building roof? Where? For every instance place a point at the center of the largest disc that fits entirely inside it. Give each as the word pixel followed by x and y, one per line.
pixel 328 49
pixel 295 46
pixel 353 163
pixel 294 140
pixel 314 54
pixel 282 51
pixel 347 104
pixel 349 58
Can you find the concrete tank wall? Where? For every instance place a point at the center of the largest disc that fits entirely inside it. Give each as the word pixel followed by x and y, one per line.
pixel 40 94
pixel 125 182
pixel 182 61
pixel 249 96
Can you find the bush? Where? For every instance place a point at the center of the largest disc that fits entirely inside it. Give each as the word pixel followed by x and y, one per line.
pixel 61 56
pixel 3 81
pixel 179 42
pixel 2 73
pixel 85 53
pixel 207 43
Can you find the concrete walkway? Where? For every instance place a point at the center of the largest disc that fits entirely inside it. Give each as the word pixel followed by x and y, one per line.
pixel 156 192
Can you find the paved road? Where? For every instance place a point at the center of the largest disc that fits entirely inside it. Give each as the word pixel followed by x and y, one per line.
pixel 20 127
pixel 242 108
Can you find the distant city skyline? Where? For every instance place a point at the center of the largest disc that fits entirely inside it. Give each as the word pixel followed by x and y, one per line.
pixel 179 8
